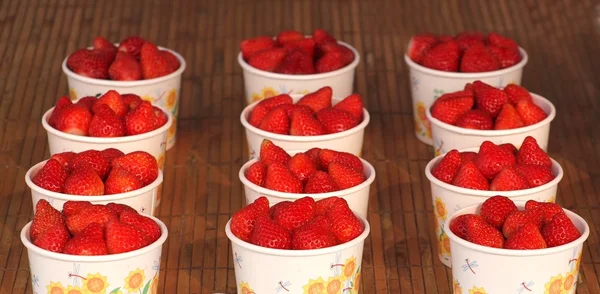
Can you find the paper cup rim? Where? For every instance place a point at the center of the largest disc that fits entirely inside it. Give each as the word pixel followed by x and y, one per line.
pixel 294 196
pixel 70 197
pixel 126 84
pixel 247 67
pixel 512 252
pixel 495 133
pixel 98 258
pixel 489 193
pixel 300 253
pixel 290 138
pixel 103 140
pixel 463 75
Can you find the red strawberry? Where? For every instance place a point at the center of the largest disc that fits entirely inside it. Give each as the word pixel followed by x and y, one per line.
pixel 491 159
pixel 531 153
pixel 92 214
pixel 498 40
pixel 344 224
pixel 536 175
pixel 353 105
pixel 172 60
pixel 495 209
pixel 74 119
pixel 449 107
pixel 53 239
pixel 344 176
pixel 89 242
pixel 45 218
pixel 527 237
pixel 242 222
pixel 548 209
pixel 312 236
pixel 269 234
pixel 84 181
pixel 102 43
pixel 313 153
pixel 146 225
pixel 301 166
pixel 419 45
pixel 111 153
pixel 280 178
pixel 278 208
pixel 331 61
pixel 508 179
pixel 320 182
pixel 153 64
pixel 476 119
pixel 141 119
pixel 52 176
pixel 296 62
pixel 93 159
pixel 74 207
pixel 489 98
pixel 443 56
pixel 119 208
pixel 509 147
pixel 347 56
pixel 121 237
pixel 276 121
pixel 106 124
pixel 271 153
pixel 285 37
pixel 470 177
pixel 322 206
pixel 467 40
pixel 482 233
pixel 458 225
pixel 121 181
pixel 131 100
pixel 139 163
pixel 508 118
pixel 268 59
pixel 448 167
pixel 321 37
pixel 125 68
pixel 478 59
pixel 161 117
pixel 256 173
pixel 91 63
pixel 530 113
pixel 517 93
pixel 336 121
pixel 560 230
pixel 469 89
pixel 88 102
pixel 506 57
pixel 132 45
pixel 296 214
pixel 303 123
pixel 306 45
pixel 467 156
pixel 62 103
pixel 263 107
pixel 317 100
pixel 516 219
pixel 251 46
pixel 327 156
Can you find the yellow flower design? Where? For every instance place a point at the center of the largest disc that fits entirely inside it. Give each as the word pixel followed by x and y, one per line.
pixel 148 98
pixel 266 92
pixel 245 288
pixel 154 285
pixel 314 286
pixel 421 118
pixel 334 285
pixel 440 208
pixel 161 161
pixel 55 288
pixel 445 243
pixel 456 288
pixel 172 129
pixel 578 262
pixel 569 281
pixel 552 199
pixel 356 282
pixel 171 99
pixel 95 283
pixel 73 94
pixel 477 290
pixel 74 290
pixel 135 280
pixel 349 267
pixel 555 286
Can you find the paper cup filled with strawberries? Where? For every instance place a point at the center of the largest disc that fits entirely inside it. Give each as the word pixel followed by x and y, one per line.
pixel 283 177
pixel 461 178
pixel 97 177
pixel 292 63
pixel 89 248
pixel 301 122
pixel 480 112
pixel 444 64
pixel 501 246
pixel 133 66
pixel 303 247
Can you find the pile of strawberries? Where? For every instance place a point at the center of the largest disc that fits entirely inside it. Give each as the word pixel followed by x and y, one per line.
pixel 93 172
pixel 110 115
pixel 496 167
pixel 465 52
pixel 483 107
pixel 500 224
pixel 300 225
pixel 312 115
pixel 293 54
pixel 314 171
pixel 134 59
pixel 88 229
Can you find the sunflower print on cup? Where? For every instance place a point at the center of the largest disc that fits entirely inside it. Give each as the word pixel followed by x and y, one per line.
pixel 135 280
pixel 477 290
pixel 244 288
pixel 266 92
pixel 315 286
pixel 555 285
pixel 422 125
pixel 456 288
pixel 55 288
pixel 95 283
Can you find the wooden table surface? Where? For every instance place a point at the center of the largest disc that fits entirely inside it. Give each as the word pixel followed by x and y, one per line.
pixel 201 177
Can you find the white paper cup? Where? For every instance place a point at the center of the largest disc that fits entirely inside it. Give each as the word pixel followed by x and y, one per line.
pixel 135 270
pixel 428 84
pixel 143 200
pixel 350 141
pixel 447 137
pixel 260 84
pixel 494 270
pixel 447 198
pixel 163 91
pixel 357 196
pixel 266 270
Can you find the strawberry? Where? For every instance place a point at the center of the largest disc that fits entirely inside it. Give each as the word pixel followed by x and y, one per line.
pixel 482 233
pixel 125 68
pixel 344 176
pixel 516 219
pixel 467 156
pixel 508 179
pixel 448 167
pixel 121 237
pixel 251 46
pixel 63 158
pixel 263 107
pixel 102 43
pixel 242 222
pixel 74 207
pixel 311 236
pixel 139 163
pixel 296 62
pixel 89 242
pixel 84 181
pixel 141 119
pixel 419 45
pixel 508 118
pixel 347 56
pixel 92 214
pixel 268 59
pixel 296 214
pixel 278 208
pixel 449 107
pixel 336 121
pixel 320 182
pixel 476 119
pixel 548 209
pixel 317 100
pixel 345 226
pixel 119 181
pixel 560 230
pixel 172 60
pixel 331 61
pixel 531 153
pixel 45 217
pixel 458 225
pixel 491 159
pixel 271 153
pixel 505 57
pixel 469 89
pixel 269 234
pixel 93 159
pixel 153 64
pixel 52 176
pixel 74 119
pixel 530 113
pixel 322 206
pixel 536 175
pixel 478 59
pixel 313 153
pixel 131 100
pixel 443 56
pixel 62 103
pixel 353 105
pixel 106 124
pixel 119 208
pixel 489 98
pixel 327 156
pixel 53 239
pixel 301 166
pixel 495 209
pixel 88 102
pixel 306 45
pixel 498 40
pixel 509 147
pixel 285 37
pixel 146 225
pixel 321 37
pixel 132 45
pixel 280 178
pixel 161 117
pixel 111 153
pixel 276 121
pixel 470 177
pixel 256 173
pixel 517 93
pixel 91 63
pixel 303 123
pixel 467 40
pixel 527 237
